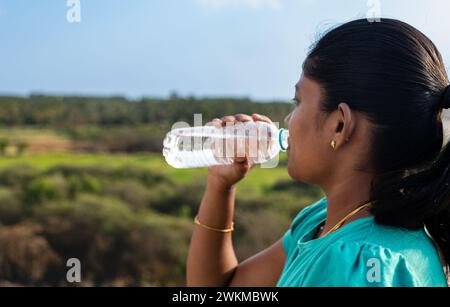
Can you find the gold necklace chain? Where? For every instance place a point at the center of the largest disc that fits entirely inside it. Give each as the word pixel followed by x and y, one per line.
pixel 347 217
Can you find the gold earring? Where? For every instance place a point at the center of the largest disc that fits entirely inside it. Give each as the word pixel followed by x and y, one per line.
pixel 333 144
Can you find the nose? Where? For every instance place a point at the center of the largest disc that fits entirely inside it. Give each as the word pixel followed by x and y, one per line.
pixel 287 119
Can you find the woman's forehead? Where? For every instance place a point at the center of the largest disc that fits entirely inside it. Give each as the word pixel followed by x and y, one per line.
pixel 307 87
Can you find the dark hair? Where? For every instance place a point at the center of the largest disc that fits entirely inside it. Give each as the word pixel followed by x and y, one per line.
pixel 394 75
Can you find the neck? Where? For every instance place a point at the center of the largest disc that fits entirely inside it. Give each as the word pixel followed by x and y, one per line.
pixel 346 195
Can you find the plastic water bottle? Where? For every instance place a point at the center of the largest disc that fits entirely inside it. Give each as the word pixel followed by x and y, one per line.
pixel 208 145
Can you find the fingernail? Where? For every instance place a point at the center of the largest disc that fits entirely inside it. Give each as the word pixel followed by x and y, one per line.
pixel 239 159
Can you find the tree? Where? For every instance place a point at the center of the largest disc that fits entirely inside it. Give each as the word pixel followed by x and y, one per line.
pixel 3 145
pixel 21 147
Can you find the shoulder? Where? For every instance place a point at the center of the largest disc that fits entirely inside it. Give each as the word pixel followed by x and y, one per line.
pixel 397 257
pixel 417 249
pixel 345 263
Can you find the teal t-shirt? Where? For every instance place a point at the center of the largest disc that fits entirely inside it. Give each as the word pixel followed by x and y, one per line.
pixel 360 254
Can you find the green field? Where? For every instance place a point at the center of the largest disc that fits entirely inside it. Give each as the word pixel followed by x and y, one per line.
pixel 256 181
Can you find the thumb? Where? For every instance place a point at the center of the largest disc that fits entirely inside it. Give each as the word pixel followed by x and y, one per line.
pixel 244 164
pixel 240 159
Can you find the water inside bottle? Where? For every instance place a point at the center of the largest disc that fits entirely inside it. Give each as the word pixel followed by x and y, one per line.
pixel 207 146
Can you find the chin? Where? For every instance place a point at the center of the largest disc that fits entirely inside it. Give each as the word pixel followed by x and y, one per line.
pixel 292 171
pixel 296 173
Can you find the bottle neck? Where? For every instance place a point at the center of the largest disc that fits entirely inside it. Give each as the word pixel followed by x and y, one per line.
pixel 283 135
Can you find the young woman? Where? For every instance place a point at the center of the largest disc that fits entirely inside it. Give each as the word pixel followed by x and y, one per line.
pixel 367 129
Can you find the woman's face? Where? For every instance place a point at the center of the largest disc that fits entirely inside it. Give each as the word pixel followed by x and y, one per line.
pixel 310 155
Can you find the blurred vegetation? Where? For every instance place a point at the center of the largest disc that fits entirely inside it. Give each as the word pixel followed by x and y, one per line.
pixel 84 178
pixel 118 125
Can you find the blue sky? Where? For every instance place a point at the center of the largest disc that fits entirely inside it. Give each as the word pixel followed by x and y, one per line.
pixel 136 48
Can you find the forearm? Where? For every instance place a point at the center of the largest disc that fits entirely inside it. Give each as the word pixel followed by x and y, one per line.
pixel 211 260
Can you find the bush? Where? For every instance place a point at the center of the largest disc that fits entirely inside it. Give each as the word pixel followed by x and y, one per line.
pixel 115 245
pixel 46 188
pixel 127 225
pixel 11 209
pixel 178 200
pixel 21 147
pixel 156 251
pixel 132 192
pixel 3 145
pixel 18 175
pixel 92 229
pixel 298 188
pixel 25 256
pixel 257 230
pixel 147 177
pixel 83 183
pixel 118 139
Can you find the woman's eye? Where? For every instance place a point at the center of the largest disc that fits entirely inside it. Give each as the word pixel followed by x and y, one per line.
pixel 295 102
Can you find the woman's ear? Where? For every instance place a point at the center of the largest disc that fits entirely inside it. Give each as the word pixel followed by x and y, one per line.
pixel 346 124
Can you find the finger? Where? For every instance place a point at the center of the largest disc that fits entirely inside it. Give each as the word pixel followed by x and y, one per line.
pixel 259 117
pixel 263 118
pixel 242 169
pixel 240 159
pixel 228 120
pixel 216 122
pixel 247 160
pixel 243 160
pixel 243 117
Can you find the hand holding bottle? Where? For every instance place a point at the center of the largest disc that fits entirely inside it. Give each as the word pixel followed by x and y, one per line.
pixel 235 143
pixel 228 175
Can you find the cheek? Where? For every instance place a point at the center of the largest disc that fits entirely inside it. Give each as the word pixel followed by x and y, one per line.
pixel 299 133
pixel 305 145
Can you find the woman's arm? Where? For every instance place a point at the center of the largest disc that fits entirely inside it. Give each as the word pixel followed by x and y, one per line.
pixel 212 261
pixel 261 270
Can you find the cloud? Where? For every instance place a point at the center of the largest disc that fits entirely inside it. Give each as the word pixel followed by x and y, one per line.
pixel 251 4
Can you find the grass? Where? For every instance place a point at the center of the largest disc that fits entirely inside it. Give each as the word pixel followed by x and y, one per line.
pixel 48 148
pixel 257 180
pixel 37 140
pixel 26 133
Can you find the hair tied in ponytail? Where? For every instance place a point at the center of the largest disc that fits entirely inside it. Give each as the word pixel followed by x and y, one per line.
pixel 442 187
pixel 445 100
